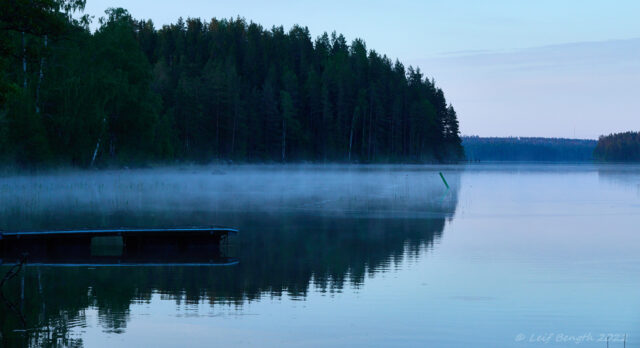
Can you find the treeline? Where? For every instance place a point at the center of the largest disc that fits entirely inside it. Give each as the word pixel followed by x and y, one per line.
pixel 618 147
pixel 203 91
pixel 523 149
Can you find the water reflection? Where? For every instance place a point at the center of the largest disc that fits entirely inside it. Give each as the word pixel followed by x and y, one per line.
pixel 344 229
pixel 627 175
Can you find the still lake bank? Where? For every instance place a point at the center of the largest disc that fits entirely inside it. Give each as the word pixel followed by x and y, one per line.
pixel 477 150
pixel 364 254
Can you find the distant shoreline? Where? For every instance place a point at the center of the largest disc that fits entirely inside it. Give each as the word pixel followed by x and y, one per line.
pixel 528 149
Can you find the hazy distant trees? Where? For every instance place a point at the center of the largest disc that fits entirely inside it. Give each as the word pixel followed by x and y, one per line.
pixel 203 91
pixel 619 147
pixel 528 149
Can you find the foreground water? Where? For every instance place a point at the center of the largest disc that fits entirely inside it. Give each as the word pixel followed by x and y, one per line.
pixel 509 256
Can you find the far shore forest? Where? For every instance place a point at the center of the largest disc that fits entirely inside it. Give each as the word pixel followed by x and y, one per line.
pixel 226 90
pixel 619 147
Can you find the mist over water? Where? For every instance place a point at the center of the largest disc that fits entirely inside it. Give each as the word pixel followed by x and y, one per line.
pixel 390 191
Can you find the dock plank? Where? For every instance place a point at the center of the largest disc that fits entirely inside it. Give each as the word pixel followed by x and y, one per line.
pixel 124 232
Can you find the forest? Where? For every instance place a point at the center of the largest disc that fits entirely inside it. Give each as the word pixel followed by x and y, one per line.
pixel 618 147
pixel 203 91
pixel 523 149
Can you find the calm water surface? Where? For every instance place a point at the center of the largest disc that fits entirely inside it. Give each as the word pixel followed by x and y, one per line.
pixel 509 256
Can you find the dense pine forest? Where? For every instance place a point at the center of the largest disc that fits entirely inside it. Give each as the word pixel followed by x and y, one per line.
pixel 202 91
pixel 619 147
pixel 523 149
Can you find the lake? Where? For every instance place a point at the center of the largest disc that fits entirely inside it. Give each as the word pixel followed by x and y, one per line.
pixel 511 255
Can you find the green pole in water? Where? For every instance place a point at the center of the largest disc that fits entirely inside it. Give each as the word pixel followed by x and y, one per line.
pixel 444 180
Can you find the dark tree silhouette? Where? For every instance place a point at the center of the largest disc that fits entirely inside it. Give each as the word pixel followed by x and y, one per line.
pixel 204 91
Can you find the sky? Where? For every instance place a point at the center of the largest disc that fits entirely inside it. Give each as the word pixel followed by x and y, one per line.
pixel 555 68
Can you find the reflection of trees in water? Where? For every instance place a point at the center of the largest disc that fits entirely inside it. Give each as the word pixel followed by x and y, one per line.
pixel 627 175
pixel 279 252
pixel 276 255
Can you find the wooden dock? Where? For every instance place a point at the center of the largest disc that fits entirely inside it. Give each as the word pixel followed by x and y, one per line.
pixel 75 255
pixel 219 262
pixel 124 232
pixel 130 236
pixel 188 246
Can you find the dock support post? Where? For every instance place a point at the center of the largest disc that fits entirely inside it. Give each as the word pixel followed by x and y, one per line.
pixel 22 288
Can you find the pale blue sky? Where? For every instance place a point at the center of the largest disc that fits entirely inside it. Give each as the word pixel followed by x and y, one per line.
pixel 469 47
